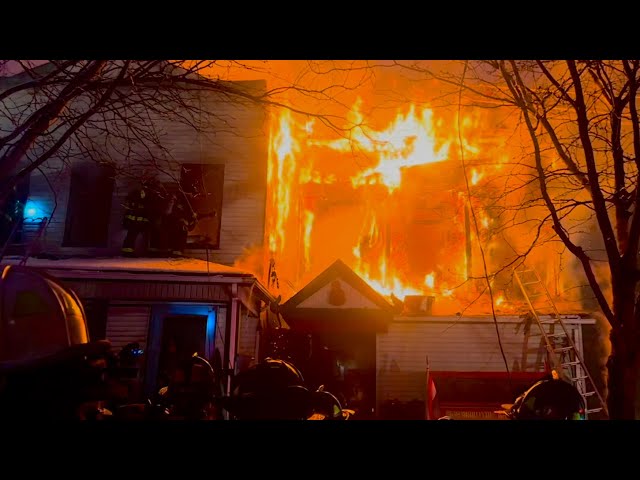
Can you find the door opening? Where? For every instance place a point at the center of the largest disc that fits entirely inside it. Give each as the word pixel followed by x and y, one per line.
pixel 182 336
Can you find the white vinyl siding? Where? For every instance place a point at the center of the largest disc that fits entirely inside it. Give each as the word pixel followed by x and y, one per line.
pixel 128 325
pixel 451 344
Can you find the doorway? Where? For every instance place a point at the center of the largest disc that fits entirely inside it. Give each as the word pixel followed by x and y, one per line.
pixel 177 332
pixel 182 337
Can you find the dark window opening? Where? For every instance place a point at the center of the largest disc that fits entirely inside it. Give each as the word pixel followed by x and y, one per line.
pixel 89 207
pixel 204 185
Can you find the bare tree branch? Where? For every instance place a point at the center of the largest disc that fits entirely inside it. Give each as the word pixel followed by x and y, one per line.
pixel 557 223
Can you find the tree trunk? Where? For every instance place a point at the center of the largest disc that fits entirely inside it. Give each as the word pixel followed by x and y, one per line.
pixel 624 376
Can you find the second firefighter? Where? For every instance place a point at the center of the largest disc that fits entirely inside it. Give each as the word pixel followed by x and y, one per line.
pixel 180 220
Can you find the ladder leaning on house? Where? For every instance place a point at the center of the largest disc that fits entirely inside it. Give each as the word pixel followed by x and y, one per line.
pixel 561 347
pixel 19 226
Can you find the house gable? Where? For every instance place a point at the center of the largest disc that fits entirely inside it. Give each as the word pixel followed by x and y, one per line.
pixel 337 299
pixel 337 287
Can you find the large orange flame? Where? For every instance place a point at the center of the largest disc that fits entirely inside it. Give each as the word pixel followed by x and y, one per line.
pixel 390 202
pixel 280 177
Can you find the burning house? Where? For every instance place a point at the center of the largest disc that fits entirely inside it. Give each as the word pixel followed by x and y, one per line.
pixel 425 223
pixel 389 242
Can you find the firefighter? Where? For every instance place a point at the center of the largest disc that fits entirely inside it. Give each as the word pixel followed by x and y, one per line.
pixel 180 221
pixel 136 221
pixel 191 392
pixel 549 399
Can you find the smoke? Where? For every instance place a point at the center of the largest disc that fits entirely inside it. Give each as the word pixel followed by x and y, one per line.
pixel 252 260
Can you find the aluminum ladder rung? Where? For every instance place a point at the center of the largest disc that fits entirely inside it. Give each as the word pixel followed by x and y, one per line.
pixel 575 379
pixel 588 394
pixel 566 364
pixel 593 410
pixel 563 349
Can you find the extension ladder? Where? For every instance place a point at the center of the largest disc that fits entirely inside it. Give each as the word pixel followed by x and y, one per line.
pixel 19 226
pixel 561 347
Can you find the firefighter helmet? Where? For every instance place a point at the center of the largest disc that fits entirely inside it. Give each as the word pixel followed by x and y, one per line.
pixel 269 375
pixel 272 389
pixel 130 355
pixel 326 404
pixel 549 399
pixel 45 347
pixel 38 316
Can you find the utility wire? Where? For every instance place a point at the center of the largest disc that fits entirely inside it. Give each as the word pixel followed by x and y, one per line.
pixel 475 224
